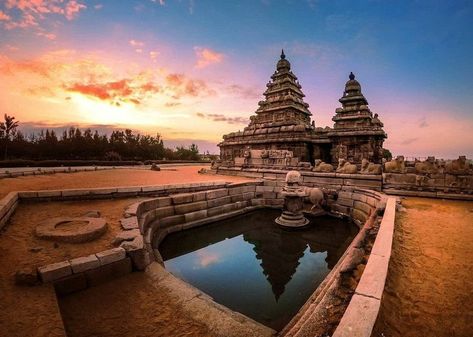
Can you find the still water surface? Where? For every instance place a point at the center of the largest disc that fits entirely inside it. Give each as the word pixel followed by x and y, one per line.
pixel 251 265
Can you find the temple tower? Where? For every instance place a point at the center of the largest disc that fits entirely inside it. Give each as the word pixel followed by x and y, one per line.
pixel 357 134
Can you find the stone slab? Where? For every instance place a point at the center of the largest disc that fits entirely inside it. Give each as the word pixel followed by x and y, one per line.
pixel 190 207
pixel 219 201
pixel 172 220
pixel 199 196
pixel 108 272
pixel 182 198
pixel 111 255
pixel 214 194
pixel 163 212
pixel 374 276
pixel 84 263
pixel 55 271
pixel 359 318
pixel 193 216
pixel 129 223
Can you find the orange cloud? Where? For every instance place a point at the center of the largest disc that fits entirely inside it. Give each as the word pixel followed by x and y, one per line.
pixel 49 36
pixel 180 85
pixel 206 57
pixel 125 90
pixel 223 118
pixel 34 11
pixel 4 17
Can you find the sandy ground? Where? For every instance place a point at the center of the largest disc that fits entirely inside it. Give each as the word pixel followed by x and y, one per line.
pixel 128 306
pixel 32 311
pixel 429 290
pixel 111 178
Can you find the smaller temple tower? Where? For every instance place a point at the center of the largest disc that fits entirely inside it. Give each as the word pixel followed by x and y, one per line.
pixel 357 134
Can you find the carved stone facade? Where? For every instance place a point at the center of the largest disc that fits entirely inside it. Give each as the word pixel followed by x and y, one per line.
pixel 282 126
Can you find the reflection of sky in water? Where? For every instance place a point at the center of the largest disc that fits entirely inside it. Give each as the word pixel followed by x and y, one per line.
pixel 253 266
pixel 234 277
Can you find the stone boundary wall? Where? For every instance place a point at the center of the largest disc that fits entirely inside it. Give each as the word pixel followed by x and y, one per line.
pixel 309 178
pixel 360 316
pixel 365 207
pixel 441 185
pixel 52 170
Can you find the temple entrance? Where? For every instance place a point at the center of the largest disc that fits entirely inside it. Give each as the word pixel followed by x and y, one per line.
pixel 310 150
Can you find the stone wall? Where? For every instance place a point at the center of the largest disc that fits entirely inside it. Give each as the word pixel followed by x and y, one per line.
pixel 408 183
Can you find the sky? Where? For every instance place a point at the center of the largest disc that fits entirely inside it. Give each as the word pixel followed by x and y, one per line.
pixel 194 70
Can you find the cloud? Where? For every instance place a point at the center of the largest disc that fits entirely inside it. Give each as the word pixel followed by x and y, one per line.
pixel 423 122
pixel 206 57
pixel 4 17
pixel 136 43
pixel 243 92
pixel 161 2
pixel 153 55
pixel 408 141
pixel 32 12
pixel 49 36
pixel 223 118
pixel 172 104
pixel 99 6
pixel 125 90
pixel 180 85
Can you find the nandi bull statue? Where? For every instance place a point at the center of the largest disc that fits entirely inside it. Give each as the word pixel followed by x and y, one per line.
pixel 294 194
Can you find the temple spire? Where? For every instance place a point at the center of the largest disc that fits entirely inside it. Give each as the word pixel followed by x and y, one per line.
pixel 351 76
pixel 283 56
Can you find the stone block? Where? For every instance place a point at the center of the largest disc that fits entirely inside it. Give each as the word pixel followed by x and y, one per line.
pixel 359 197
pixel 359 215
pixel 129 223
pixel 27 194
pixel 248 195
pixel 359 318
pixel 219 201
pixel 182 198
pixel 84 263
pixel 345 202
pixel 199 196
pixel 216 210
pixel 257 202
pixel 374 276
pixel 269 195
pixel 172 220
pixel 149 189
pixel 108 272
pixel 214 194
pixel 249 188
pixel 130 189
pixel 235 191
pixel 191 207
pixel 132 210
pixel 70 284
pixel 238 197
pixel 75 192
pixel 102 191
pixel 49 193
pixel 362 207
pixel 111 255
pixel 341 209
pixel 163 212
pixel 55 271
pixel 193 216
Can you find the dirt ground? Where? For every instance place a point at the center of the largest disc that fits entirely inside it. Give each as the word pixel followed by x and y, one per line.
pixel 111 178
pixel 429 290
pixel 128 306
pixel 28 310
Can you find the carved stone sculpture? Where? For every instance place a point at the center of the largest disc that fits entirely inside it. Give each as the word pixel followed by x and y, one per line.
pixel 346 167
pixel 429 166
pixel 370 168
pixel 458 166
pixel 315 196
pixel 395 166
pixel 321 166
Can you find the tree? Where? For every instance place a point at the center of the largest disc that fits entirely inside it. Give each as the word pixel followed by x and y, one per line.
pixel 387 154
pixel 8 131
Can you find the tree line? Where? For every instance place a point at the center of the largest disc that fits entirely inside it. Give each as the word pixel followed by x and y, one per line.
pixel 77 144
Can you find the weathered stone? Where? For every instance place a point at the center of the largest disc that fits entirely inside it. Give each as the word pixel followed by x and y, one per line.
pixel 70 284
pixel 172 220
pixel 191 207
pixel 27 276
pixel 217 193
pixel 55 271
pixel 125 236
pixel 199 196
pixel 84 263
pixel 109 271
pixel 129 223
pixel 163 212
pixel 85 229
pixel 182 198
pixel 111 255
pixel 193 216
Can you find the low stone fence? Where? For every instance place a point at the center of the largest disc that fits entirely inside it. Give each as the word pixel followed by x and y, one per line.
pixel 49 170
pixel 439 185
pixel 318 179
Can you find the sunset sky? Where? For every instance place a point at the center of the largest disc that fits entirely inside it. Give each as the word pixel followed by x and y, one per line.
pixel 194 70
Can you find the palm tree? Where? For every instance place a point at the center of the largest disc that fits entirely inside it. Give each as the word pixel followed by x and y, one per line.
pixel 8 130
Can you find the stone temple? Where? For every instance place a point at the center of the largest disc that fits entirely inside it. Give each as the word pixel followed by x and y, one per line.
pixel 281 134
